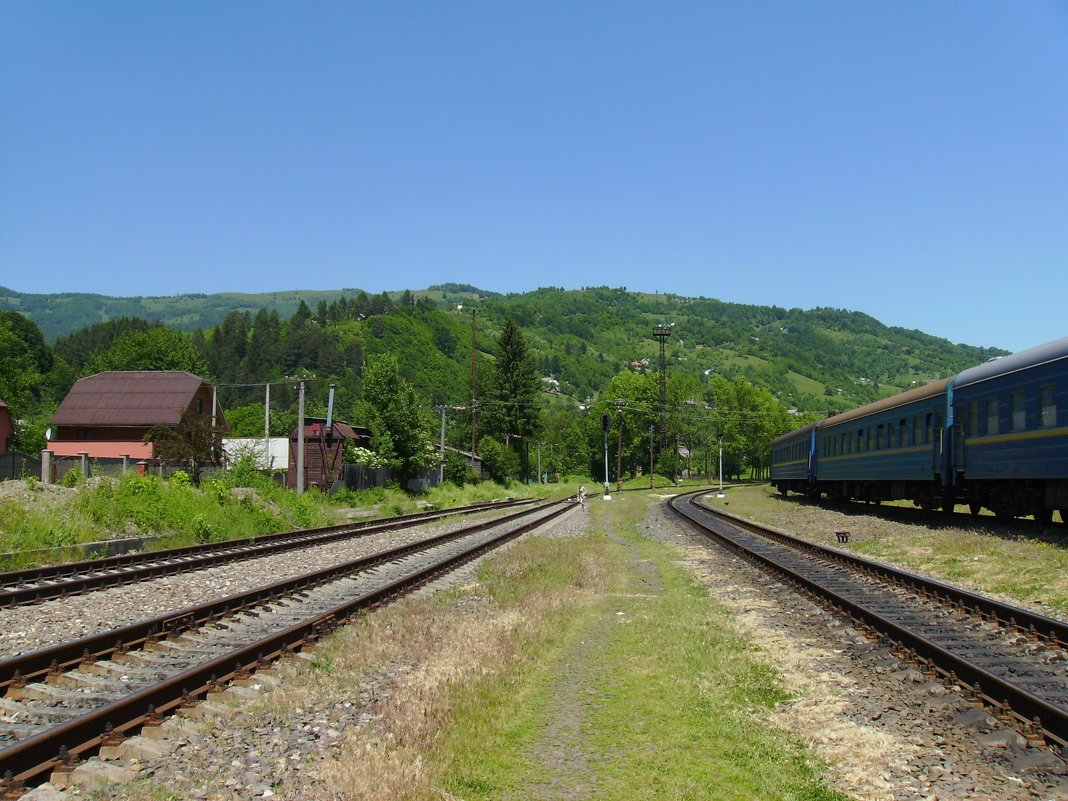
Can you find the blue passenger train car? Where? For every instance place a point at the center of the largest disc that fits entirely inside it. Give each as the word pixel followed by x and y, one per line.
pixel 1010 440
pixel 994 436
pixel 791 460
pixel 887 450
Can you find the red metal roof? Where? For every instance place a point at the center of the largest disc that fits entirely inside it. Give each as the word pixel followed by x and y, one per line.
pixel 315 426
pixel 128 398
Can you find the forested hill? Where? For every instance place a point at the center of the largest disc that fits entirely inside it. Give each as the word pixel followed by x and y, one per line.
pixel 813 360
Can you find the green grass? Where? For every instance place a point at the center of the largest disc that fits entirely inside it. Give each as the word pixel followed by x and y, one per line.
pixel 236 504
pixel 672 701
pixel 805 385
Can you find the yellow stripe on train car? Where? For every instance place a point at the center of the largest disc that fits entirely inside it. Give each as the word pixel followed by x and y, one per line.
pixel 1017 436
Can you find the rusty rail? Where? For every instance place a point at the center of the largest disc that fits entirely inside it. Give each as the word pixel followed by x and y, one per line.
pixel 72 578
pixel 31 759
pixel 994 690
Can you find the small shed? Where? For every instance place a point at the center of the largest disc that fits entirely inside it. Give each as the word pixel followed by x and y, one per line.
pixel 474 461
pixel 324 447
pixel 7 427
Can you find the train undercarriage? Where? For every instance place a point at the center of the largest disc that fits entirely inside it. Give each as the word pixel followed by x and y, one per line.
pixel 1006 499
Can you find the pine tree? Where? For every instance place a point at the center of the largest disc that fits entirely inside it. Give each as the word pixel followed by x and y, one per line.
pixel 510 407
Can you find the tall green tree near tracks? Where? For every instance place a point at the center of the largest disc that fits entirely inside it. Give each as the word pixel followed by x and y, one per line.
pixel 389 407
pixel 510 405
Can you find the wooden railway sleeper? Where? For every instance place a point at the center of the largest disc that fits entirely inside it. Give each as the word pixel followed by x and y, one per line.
pixel 10 790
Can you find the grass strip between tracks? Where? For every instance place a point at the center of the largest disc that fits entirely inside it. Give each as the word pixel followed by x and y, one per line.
pixel 576 666
pixel 648 692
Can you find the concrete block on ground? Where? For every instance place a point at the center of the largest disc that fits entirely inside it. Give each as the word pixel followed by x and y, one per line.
pixel 96 773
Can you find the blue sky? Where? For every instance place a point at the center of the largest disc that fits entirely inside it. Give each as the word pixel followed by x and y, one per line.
pixel 907 159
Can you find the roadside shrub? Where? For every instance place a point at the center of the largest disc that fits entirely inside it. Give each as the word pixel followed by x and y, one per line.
pixel 181 479
pixel 203 531
pixel 243 473
pixel 72 478
pixel 498 460
pixel 458 471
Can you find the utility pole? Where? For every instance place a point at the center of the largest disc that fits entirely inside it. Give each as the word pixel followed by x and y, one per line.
pixel 619 447
pixel 539 464
pixel 652 480
pixel 267 425
pixel 474 389
pixel 606 423
pixel 441 453
pixel 675 460
pixel 720 465
pixel 300 437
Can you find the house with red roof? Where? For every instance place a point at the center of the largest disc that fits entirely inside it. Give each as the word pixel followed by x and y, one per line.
pixel 7 427
pixel 107 415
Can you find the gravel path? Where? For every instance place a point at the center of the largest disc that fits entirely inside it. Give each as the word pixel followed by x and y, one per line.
pixel 888 732
pixel 30 628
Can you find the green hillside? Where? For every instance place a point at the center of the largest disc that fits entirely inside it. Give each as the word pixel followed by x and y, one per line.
pixel 813 360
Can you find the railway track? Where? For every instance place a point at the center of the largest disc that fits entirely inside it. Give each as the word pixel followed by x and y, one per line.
pixel 1008 659
pixel 64 702
pixel 39 584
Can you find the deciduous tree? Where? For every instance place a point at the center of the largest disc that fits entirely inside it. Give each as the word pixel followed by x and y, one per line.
pixel 389 407
pixel 194 441
pixel 151 349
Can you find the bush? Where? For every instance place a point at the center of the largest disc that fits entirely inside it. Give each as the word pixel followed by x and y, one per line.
pixel 72 478
pixel 498 460
pixel 458 471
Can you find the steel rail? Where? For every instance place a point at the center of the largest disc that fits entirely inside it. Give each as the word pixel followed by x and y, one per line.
pixel 19 670
pixel 1050 719
pixel 74 578
pixel 30 759
pixel 1049 629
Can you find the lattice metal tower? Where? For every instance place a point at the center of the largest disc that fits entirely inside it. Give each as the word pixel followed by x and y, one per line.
pixel 662 332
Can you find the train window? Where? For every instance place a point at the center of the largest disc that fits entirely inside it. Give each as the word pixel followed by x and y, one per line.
pixel 891 431
pixel 870 436
pixel 1047 406
pixel 844 443
pixel 1017 412
pixel 903 430
pixel 990 406
pixel 880 442
pixel 973 419
pixel 917 430
pixel 860 441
